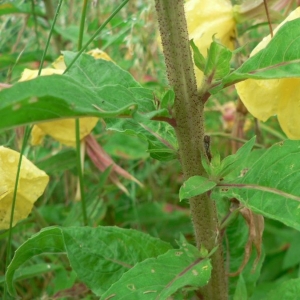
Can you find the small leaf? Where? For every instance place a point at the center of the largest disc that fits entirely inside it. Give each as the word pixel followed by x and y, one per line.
pixel 198 57
pixel 157 278
pixel 168 99
pixel 218 61
pixel 194 186
pixel 230 162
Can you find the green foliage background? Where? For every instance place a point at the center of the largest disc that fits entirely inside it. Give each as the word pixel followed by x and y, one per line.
pixel 131 41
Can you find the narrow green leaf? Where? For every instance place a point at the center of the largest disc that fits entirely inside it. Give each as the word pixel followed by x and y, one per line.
pixel 195 185
pixel 101 255
pixel 157 278
pixel 269 185
pixel 47 240
pixel 199 59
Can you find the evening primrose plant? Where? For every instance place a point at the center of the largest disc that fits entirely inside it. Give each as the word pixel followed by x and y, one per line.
pixel 231 199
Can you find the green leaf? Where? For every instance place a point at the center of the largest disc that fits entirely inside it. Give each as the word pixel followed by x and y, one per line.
pixel 112 83
pixel 241 290
pixel 161 137
pixel 7 59
pixel 159 278
pixel 237 234
pixel 231 162
pixel 53 97
pixel 96 73
pixel 101 255
pixel 195 185
pixel 288 290
pixel 58 163
pixel 292 257
pixel 218 61
pixel 168 99
pixel 91 88
pixel 280 58
pixel 269 185
pixel 47 240
pixel 161 152
pixel 10 8
pixel 32 271
pixel 199 59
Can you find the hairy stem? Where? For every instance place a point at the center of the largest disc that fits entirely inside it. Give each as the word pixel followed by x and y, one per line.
pixel 189 115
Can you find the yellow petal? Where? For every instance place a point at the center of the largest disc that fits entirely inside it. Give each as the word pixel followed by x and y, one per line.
pixel 207 18
pixel 31 186
pixel 59 63
pixel 37 135
pixel 31 74
pixel 99 54
pixel 265 98
pixel 64 130
pixel 261 97
pixel 289 107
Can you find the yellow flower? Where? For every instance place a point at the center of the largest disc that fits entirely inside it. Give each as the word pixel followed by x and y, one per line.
pixel 266 98
pixel 32 184
pixel 62 130
pixel 206 18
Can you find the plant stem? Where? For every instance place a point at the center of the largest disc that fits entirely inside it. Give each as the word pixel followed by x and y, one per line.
pixel 51 15
pixel 13 204
pixel 189 115
pixel 49 36
pixel 118 8
pixel 79 151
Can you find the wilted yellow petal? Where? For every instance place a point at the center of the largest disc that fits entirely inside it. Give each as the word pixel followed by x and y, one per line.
pixel 31 186
pixel 266 98
pixel 207 18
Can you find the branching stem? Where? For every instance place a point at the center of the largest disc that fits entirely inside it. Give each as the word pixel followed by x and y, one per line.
pixel 189 115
